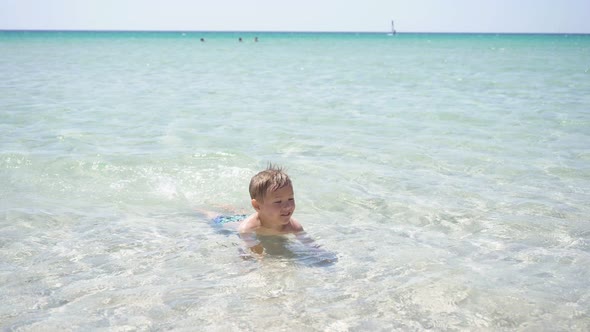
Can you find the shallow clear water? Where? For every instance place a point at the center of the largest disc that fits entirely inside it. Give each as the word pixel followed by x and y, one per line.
pixel 449 174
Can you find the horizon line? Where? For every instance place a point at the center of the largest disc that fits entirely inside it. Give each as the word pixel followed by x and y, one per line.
pixel 296 31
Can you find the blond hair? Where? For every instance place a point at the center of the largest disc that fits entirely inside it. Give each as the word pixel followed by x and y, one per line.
pixel 271 179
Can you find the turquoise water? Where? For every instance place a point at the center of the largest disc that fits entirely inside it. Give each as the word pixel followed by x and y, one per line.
pixel 448 173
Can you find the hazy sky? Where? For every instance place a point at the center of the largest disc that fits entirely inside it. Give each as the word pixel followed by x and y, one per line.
pixel 553 16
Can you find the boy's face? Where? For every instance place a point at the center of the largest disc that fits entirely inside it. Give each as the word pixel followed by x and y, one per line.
pixel 277 206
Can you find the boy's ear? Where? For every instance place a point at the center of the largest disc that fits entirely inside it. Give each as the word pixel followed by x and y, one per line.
pixel 255 204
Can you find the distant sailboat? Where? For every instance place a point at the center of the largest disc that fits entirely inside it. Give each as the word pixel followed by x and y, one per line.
pixel 393 32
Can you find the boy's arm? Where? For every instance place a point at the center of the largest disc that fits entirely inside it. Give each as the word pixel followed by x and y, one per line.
pixel 257 249
pixel 252 242
pixel 247 232
pixel 305 239
pixel 315 250
pixel 301 235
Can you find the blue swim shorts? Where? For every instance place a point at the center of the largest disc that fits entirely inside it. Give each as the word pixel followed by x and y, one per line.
pixel 222 219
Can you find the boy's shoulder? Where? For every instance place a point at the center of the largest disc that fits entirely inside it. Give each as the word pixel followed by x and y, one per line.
pixel 250 224
pixel 295 226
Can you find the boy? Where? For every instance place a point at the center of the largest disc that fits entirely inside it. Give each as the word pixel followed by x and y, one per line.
pixel 273 200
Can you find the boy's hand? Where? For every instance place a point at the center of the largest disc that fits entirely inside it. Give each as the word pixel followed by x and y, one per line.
pixel 257 249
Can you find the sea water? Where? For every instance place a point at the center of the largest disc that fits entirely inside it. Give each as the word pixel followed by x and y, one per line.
pixel 449 175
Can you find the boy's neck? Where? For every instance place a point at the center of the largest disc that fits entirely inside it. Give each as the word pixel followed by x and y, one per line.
pixel 269 225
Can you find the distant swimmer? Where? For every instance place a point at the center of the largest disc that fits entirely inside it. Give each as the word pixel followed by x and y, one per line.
pixel 256 39
pixel 202 40
pixel 240 39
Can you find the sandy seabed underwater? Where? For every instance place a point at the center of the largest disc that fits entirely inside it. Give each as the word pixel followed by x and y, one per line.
pixel 448 174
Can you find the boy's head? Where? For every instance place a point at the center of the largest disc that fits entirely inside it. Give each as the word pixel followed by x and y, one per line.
pixel 271 179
